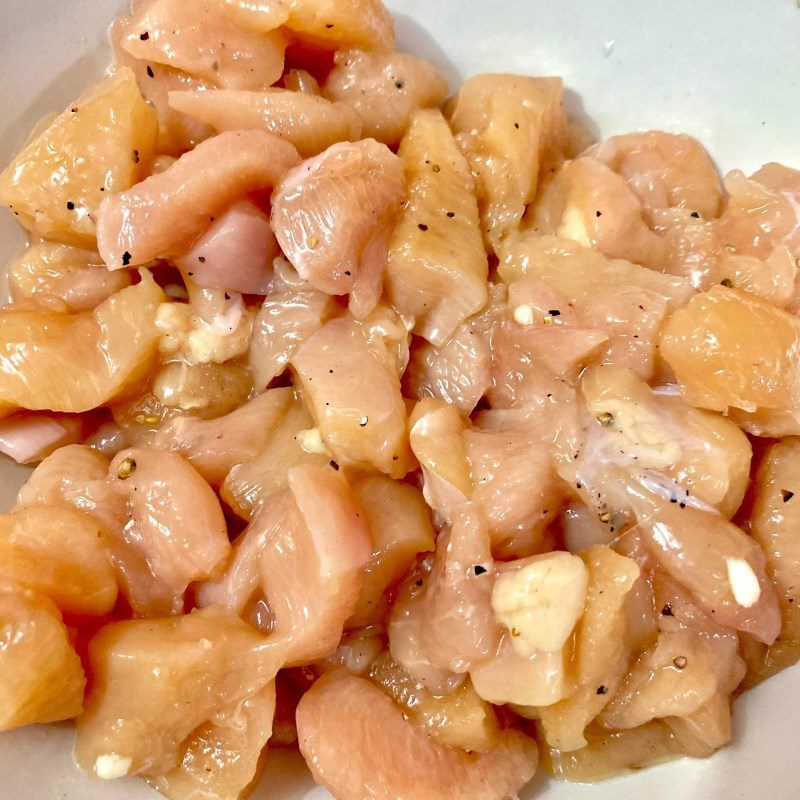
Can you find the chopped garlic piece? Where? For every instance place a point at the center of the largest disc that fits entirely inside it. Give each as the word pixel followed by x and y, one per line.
pixel 541 602
pixel 744 582
pixel 311 441
pixel 523 315
pixel 109 767
pixel 186 333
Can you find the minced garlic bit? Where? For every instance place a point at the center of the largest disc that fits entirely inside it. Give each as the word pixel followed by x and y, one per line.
pixel 744 582
pixel 109 767
pixel 186 333
pixel 523 314
pixel 541 603
pixel 311 441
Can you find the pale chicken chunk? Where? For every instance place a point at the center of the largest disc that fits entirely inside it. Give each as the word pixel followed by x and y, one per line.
pixel 436 275
pixel 41 677
pixel 627 302
pixel 349 731
pixel 200 39
pixel 353 392
pixel 156 681
pixel 512 130
pixel 63 278
pixel 311 123
pixel 385 89
pixel 76 362
pixel 333 215
pixel 164 214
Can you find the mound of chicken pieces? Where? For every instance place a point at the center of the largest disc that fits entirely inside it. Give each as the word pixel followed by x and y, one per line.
pixel 422 436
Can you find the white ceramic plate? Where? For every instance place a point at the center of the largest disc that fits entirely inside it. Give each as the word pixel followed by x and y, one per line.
pixel 726 71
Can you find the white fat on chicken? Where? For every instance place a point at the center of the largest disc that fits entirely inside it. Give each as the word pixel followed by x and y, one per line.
pixel 744 582
pixel 541 602
pixel 186 333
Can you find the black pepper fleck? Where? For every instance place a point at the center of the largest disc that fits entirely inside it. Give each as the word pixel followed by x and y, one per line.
pixel 695 215
pixel 479 570
pixel 150 71
pixel 135 156
pixel 399 84
pixel 786 495
pixel 144 36
pixel 201 259
pixel 334 465
pixel 554 312
pixel 602 690
pixel 70 205
pixel 422 226
pixel 598 213
pixel 451 214
pixel 126 258
pixel 667 610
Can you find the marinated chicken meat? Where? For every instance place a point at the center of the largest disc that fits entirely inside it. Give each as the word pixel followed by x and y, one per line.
pixel 422 435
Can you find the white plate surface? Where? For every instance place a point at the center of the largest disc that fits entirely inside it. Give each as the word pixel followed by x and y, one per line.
pixel 726 71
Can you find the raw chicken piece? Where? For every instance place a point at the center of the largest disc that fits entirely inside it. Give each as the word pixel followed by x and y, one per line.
pixel 722 567
pixel 508 677
pixel 385 89
pixel 436 274
pixel 215 446
pixel 665 170
pixel 332 217
pixel 512 130
pixel 303 553
pixel 175 518
pixel 458 371
pixel 77 477
pixel 59 553
pixel 63 278
pixel 102 144
pixel 775 525
pixel 164 214
pixel 310 123
pixel 703 732
pixel 291 313
pixel 197 37
pixel 701 452
pixel 588 203
pixel 156 681
pixel 353 392
pixel 612 753
pixel 291 443
pixel 623 300
pixel 353 736
pixel 675 678
pixel 222 758
pixel 235 253
pixel 28 438
pixel 74 363
pixel 399 526
pixel 336 24
pixel 41 678
pixel 460 719
pixel 176 132
pixel 437 440
pixel 205 391
pixel 732 352
pixel 515 486
pixel 450 610
pixel 261 16
pixel 601 649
